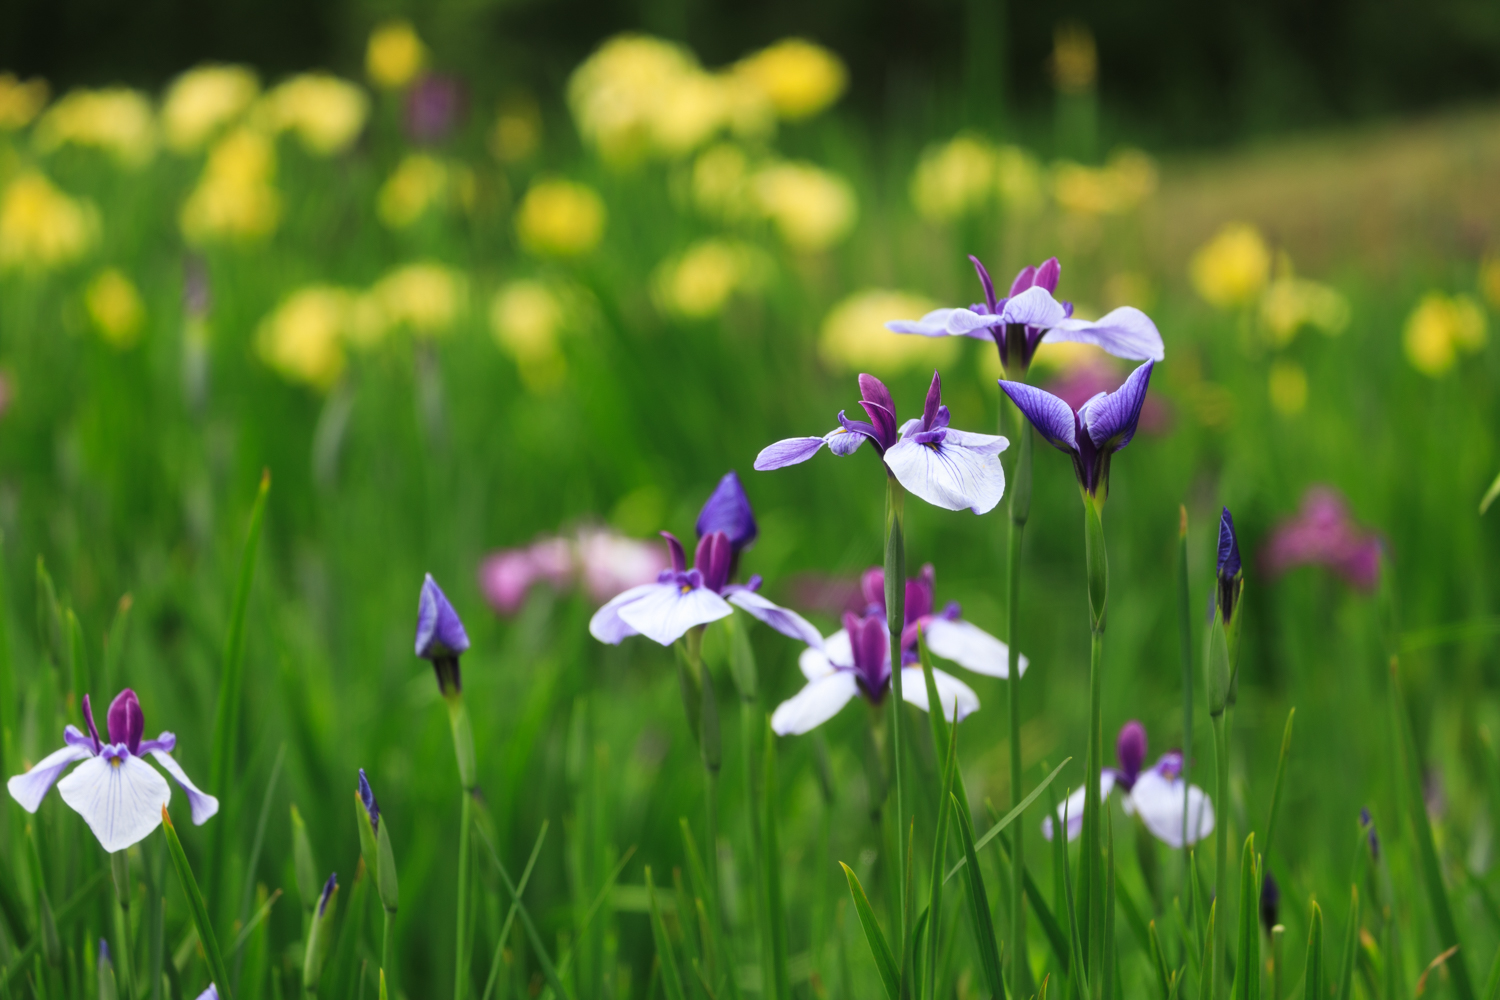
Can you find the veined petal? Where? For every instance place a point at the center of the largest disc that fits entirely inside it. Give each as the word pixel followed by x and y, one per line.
pixel 203 804
pixel 1052 418
pixel 30 788
pixel 988 444
pixel 1125 332
pixel 119 798
pixel 843 442
pixel 949 475
pixel 607 625
pixel 958 699
pixel 212 993
pixel 1073 807
pixel 790 451
pixel 785 621
pixel 836 651
pixel 947 323
pixel 815 704
pixel 1158 801
pixel 1033 307
pixel 1111 417
pixel 666 611
pixel 970 647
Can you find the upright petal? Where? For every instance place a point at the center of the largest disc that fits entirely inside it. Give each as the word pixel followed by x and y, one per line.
pixel 815 704
pixel 986 282
pixel 1025 278
pixel 203 805
pixel 1047 274
pixel 439 630
pixel 728 510
pixel 958 699
pixel 1052 418
pixel 949 473
pixel 783 620
pixel 820 661
pixel 790 451
pixel 1125 332
pixel 126 721
pixel 1112 417
pixel 1159 802
pixel 1072 809
pixel 970 647
pixel 666 611
pixel 30 788
pixel 1033 307
pixel 607 625
pixel 120 798
pixel 958 322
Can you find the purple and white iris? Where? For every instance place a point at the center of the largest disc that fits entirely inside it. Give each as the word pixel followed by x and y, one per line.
pixel 682 598
pixel 116 792
pixel 1155 795
pixel 1092 433
pixel 946 633
pixel 1029 315
pixel 948 468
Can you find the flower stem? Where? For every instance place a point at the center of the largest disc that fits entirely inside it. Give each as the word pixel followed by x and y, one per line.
pixel 895 617
pixel 461 972
pixel 1221 837
pixel 1020 509
pixel 386 972
pixel 1098 589
pixel 1185 632
pixel 120 868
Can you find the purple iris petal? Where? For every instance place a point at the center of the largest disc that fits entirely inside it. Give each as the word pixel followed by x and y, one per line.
pixel 440 633
pixel 1052 418
pixel 1125 332
pixel 367 796
pixel 1229 546
pixel 876 400
pixel 1034 307
pixel 871 653
pixel 843 443
pixel 988 283
pixel 728 510
pixel 1130 751
pixel 919 590
pixel 788 452
pixel 212 993
pixel 783 620
pixel 88 716
pixel 713 559
pixel 864 429
pixel 679 559
pixel 126 723
pixel 933 401
pixel 1111 418
pixel 1047 274
pixel 328 887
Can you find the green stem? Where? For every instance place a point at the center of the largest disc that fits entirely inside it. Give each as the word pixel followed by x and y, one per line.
pixel 1098 591
pixel 385 949
pixel 461 972
pixel 1020 508
pixel 1185 638
pixel 120 868
pixel 1221 837
pixel 895 617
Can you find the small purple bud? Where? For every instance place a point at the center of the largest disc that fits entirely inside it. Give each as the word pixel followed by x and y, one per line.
pixel 1130 750
pixel 439 631
pixel 367 796
pixel 88 716
pixel 674 550
pixel 872 586
pixel 126 723
pixel 1368 823
pixel 1270 902
pixel 728 510
pixel 328 887
pixel 104 956
pixel 1229 566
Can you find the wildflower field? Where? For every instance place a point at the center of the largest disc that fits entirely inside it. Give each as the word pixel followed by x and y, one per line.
pixel 342 653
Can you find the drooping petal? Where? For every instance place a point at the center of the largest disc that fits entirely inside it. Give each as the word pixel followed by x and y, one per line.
pixel 1052 418
pixel 1125 332
pixel 120 798
pixel 958 699
pixel 951 474
pixel 843 442
pixel 836 651
pixel 728 510
pixel 1111 417
pixel 783 620
pixel 791 451
pixel 607 625
pixel 439 630
pixel 815 704
pixel 166 741
pixel 1159 803
pixel 1073 807
pixel 947 323
pixel 30 788
pixel 970 647
pixel 1033 307
pixel 204 805
pixel 667 610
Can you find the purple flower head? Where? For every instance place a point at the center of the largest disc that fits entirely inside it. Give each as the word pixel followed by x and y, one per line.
pixel 947 467
pixel 1228 575
pixel 1130 751
pixel 946 633
pixel 117 793
pixel 104 955
pixel 440 636
pixel 367 796
pixel 728 510
pixel 328 890
pixel 1092 433
pixel 870 649
pixel 1156 795
pixel 1029 315
pixel 433 108
pixel 1270 902
pixel 1322 533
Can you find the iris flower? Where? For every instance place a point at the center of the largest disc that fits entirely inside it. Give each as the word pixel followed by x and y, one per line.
pixel 1092 433
pixel 682 598
pixel 948 468
pixel 115 791
pixel 1029 315
pixel 946 633
pixel 440 636
pixel 1154 795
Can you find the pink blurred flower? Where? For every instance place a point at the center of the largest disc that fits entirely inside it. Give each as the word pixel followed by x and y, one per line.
pixel 602 561
pixel 1322 533
pixel 1085 380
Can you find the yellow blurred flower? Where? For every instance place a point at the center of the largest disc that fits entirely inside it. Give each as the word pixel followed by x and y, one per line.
pixel 1489 280
pixel 721 182
pixel 854 336
pixel 395 55
pixel 526 318
pixel 116 120
pixel 617 94
pixel 302 339
pixel 810 207
pixel 417 184
pixel 424 297
pixel 1128 179
pixel 953 179
pixel 204 100
pixel 560 218
pixel 699 283
pixel 1289 303
pixel 1288 388
pixel 41 227
pixel 798 77
pixel 518 130
pixel 1231 269
pixel 1441 326
pixel 234 198
pixel 1075 59
pixel 20 101
pixel 1019 179
pixel 116 308
pixel 327 113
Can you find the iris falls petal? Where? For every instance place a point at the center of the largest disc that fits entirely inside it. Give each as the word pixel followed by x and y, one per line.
pixel 607 625
pixel 1159 802
pixel 815 704
pixel 949 473
pixel 970 647
pixel 958 699
pixel 30 788
pixel 666 611
pixel 1125 332
pixel 791 451
pixel 787 622
pixel 120 798
pixel 203 805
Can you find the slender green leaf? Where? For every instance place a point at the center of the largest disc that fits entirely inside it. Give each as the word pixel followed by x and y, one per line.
pixel 549 971
pixel 1159 962
pixel 1075 940
pixel 979 908
pixel 885 960
pixel 1492 982
pixel 1313 976
pixel 1185 650
pixel 1057 937
pixel 1441 635
pixel 671 979
pixel 199 911
pixel 70 911
pixel 938 721
pixel 771 854
pixel 715 925
pixel 1209 974
pixel 1247 966
pixel 1107 927
pixel 1351 946
pixel 1011 816
pixel 1286 751
pixel 939 850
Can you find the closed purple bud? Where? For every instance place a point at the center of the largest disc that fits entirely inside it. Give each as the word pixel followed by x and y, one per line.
pixel 1130 749
pixel 328 887
pixel 1229 546
pixel 104 956
pixel 126 723
pixel 1270 902
pixel 367 796
pixel 439 631
pixel 728 510
pixel 712 560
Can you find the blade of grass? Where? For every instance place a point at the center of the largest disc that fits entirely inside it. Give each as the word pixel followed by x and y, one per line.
pixel 549 971
pixel 1107 928
pixel 939 849
pixel 1056 936
pixel 699 876
pixel 671 979
pixel 1286 750
pixel 1210 956
pixel 195 904
pixel 1011 816
pixel 1247 965
pixel 979 908
pixel 771 854
pixel 71 910
pixel 1351 946
pixel 885 960
pixel 1313 976
pixel 260 834
pixel 1075 943
pixel 1492 982
pixel 1185 642
pixel 1159 963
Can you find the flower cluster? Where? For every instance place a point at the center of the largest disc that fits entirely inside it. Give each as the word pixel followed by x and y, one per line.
pixel 602 562
pixel 1322 533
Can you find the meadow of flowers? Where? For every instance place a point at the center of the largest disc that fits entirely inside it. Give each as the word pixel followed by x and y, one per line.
pixel 725 458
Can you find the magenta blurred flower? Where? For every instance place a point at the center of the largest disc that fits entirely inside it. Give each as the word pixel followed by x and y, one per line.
pixel 1083 382
pixel 603 562
pixel 1322 533
pixel 433 108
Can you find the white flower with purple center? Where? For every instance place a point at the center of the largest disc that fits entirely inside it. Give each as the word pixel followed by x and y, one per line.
pixel 1155 795
pixel 948 468
pixel 1020 322
pixel 946 633
pixel 117 793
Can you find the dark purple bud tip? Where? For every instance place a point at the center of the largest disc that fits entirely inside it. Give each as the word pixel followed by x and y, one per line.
pixel 104 956
pixel 1229 547
pixel 728 510
pixel 1270 902
pixel 1130 749
pixel 126 723
pixel 439 632
pixel 367 796
pixel 328 887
